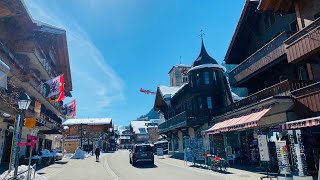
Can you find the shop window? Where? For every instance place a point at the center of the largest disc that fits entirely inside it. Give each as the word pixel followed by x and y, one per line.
pixel 209 102
pixel 206 78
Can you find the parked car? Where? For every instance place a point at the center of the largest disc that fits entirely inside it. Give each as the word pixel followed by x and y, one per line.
pixel 141 153
pixel 47 157
pixel 59 155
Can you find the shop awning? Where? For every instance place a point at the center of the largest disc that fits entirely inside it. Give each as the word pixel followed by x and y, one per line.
pixel 302 123
pixel 246 120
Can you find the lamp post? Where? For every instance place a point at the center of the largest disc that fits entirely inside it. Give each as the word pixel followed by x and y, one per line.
pixel 23 102
pixel 84 133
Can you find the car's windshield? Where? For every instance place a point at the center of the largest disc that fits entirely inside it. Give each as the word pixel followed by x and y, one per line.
pixel 143 148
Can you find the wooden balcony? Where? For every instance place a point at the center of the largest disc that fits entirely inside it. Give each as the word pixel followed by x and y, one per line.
pixel 307 100
pixel 264 56
pixel 304 43
pixel 185 119
pixel 281 89
pixel 37 57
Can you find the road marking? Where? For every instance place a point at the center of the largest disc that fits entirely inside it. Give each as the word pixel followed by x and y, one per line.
pixel 109 170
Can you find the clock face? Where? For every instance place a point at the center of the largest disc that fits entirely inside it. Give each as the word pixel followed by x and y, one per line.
pixel 185 72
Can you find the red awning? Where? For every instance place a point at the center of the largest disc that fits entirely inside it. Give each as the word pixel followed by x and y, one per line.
pixel 246 120
pixel 315 121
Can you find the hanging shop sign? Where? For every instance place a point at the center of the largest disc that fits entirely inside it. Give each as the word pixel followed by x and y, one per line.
pixel 30 122
pixel 263 148
pixel 283 157
pixel 297 153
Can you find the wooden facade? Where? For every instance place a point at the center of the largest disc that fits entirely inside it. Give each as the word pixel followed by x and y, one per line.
pixel 275 5
pixel 304 43
pixel 258 60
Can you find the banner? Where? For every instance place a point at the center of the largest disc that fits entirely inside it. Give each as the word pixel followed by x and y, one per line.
pixel 71 109
pixel 54 86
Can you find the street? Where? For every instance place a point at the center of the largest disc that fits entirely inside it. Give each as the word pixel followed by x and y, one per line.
pixel 116 165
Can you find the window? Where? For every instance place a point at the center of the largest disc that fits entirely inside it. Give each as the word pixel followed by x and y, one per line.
pixel 206 78
pixel 185 79
pixel 199 103
pixel 214 76
pixel 198 79
pixel 209 102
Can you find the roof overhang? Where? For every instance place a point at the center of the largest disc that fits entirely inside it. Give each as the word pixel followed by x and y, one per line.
pixel 275 5
pixel 245 15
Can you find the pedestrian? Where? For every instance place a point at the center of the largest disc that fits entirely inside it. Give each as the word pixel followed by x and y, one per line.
pixel 97 152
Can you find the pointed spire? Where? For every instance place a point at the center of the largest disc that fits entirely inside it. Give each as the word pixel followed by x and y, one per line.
pixel 204 57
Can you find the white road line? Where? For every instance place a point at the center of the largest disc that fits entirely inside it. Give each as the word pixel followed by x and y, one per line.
pixel 109 170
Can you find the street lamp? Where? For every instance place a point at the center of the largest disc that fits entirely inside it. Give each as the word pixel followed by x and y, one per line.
pixel 84 133
pixel 23 103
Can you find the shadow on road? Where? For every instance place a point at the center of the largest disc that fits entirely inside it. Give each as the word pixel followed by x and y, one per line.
pixel 146 166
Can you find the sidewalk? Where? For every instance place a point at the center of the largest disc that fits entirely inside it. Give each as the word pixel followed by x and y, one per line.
pixel 231 173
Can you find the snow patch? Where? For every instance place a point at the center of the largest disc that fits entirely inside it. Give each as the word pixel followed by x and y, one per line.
pixel 79 154
pixel 23 173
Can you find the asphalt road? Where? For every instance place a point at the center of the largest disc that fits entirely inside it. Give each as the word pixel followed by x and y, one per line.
pixel 115 166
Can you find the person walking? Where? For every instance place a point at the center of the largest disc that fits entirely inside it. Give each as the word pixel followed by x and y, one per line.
pixel 97 152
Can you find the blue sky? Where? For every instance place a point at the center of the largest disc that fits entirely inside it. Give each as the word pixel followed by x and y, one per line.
pixel 117 47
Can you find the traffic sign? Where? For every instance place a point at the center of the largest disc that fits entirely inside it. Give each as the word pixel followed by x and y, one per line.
pixel 30 122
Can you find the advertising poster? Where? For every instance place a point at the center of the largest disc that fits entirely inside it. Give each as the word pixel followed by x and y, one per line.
pixel 283 157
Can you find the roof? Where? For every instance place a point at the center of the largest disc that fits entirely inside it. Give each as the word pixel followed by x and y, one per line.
pixel 204 57
pixel 208 66
pixel 237 30
pixel 172 90
pixel 87 121
pixel 139 127
pixel 236 97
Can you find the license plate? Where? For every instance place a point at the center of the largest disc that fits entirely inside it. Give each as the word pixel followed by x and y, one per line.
pixel 144 155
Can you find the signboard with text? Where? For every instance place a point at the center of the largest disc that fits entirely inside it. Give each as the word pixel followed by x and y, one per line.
pixel 263 148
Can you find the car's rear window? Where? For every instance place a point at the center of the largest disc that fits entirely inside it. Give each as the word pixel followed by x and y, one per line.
pixel 143 148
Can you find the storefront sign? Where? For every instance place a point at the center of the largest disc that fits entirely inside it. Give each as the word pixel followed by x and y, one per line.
pixel 283 159
pixel 263 148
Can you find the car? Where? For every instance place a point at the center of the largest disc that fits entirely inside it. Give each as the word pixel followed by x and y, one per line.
pixel 57 154
pixel 47 156
pixel 141 153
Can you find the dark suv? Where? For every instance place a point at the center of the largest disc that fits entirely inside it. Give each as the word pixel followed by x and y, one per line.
pixel 141 153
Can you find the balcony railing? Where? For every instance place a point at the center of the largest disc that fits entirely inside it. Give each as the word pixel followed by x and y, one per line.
pixel 262 57
pixel 186 119
pixel 174 122
pixel 281 89
pixel 303 42
pixel 43 59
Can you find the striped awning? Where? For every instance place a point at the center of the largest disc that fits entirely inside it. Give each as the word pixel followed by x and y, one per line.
pixel 244 121
pixel 315 121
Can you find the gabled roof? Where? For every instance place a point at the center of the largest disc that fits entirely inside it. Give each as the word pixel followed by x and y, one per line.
pixel 88 121
pixel 243 16
pixel 139 127
pixel 171 90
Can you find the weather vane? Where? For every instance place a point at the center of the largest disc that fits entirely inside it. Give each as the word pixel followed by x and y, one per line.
pixel 202 34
